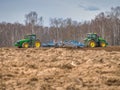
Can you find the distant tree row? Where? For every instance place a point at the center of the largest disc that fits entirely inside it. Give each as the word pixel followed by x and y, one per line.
pixel 105 24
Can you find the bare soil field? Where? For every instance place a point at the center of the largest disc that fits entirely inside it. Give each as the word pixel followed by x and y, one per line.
pixel 60 68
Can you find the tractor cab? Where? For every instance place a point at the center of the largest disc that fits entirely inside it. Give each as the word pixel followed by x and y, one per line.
pixel 93 40
pixel 93 36
pixel 31 37
pixel 90 35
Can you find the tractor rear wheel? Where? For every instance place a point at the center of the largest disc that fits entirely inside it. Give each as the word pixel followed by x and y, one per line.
pixel 92 43
pixel 37 44
pixel 25 45
pixel 102 44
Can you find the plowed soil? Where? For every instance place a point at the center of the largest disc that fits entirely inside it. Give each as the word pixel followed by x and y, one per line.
pixel 60 68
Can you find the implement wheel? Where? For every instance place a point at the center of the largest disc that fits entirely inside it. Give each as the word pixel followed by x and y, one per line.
pixel 37 44
pixel 102 44
pixel 25 45
pixel 92 44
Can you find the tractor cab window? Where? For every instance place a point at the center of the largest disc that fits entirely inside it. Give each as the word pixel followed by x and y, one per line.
pixel 30 37
pixel 89 35
pixel 33 37
pixel 94 35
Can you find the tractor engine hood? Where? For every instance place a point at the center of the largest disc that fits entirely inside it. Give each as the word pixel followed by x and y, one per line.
pixel 21 41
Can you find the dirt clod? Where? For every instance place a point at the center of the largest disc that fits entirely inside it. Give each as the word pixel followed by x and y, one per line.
pixel 60 68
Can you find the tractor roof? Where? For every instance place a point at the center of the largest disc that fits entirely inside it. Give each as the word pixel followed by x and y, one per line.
pixel 31 35
pixel 91 33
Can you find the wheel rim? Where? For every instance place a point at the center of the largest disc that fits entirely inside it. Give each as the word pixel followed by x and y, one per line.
pixel 37 44
pixel 92 44
pixel 26 45
pixel 103 44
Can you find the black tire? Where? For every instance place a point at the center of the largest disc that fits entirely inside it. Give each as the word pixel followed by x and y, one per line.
pixel 37 44
pixel 102 44
pixel 25 45
pixel 92 44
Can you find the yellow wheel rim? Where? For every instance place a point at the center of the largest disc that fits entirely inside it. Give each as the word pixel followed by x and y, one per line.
pixel 103 44
pixel 92 44
pixel 37 44
pixel 26 45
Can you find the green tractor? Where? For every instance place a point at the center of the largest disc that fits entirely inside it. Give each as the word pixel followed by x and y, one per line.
pixel 28 41
pixel 93 40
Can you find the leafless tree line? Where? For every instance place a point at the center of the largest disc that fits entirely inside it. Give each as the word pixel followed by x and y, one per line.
pixel 105 24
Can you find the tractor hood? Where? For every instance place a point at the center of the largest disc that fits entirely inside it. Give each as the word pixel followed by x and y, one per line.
pixel 19 42
pixel 101 38
pixel 23 40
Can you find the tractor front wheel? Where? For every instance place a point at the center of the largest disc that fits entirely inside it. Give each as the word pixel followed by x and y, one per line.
pixel 37 44
pixel 25 45
pixel 102 44
pixel 92 44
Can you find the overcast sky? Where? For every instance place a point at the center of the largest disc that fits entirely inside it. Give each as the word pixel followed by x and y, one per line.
pixel 80 10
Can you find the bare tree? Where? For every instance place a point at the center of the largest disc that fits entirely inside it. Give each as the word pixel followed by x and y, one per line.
pixel 31 18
